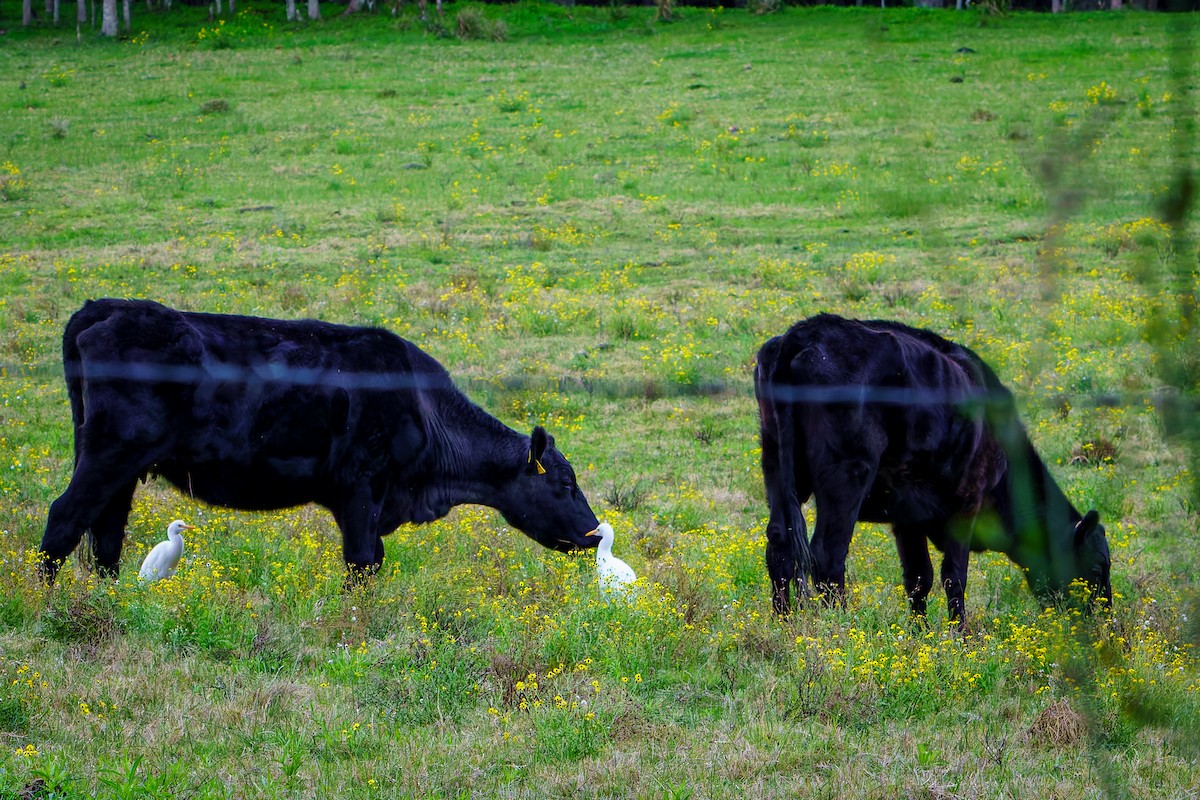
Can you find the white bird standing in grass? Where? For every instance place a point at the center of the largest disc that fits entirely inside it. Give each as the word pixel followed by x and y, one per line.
pixel 615 575
pixel 162 561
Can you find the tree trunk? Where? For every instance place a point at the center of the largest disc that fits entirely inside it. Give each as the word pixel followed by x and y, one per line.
pixel 127 11
pixel 81 11
pixel 108 19
pixel 1116 5
pixel 290 5
pixel 1055 6
pixel 352 7
pixel 216 8
pixel 314 9
pixel 27 12
pixel 57 10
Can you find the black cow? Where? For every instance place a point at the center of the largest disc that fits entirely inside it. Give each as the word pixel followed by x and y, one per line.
pixel 255 413
pixel 887 423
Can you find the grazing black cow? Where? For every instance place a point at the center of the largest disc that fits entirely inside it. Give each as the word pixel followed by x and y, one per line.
pixel 257 413
pixel 887 423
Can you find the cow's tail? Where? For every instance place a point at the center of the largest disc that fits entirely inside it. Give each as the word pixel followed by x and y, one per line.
pixel 775 407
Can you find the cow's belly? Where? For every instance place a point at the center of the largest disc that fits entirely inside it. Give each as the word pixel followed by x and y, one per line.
pixel 268 485
pixel 910 502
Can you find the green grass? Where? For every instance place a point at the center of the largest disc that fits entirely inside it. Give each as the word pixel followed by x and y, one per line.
pixel 594 224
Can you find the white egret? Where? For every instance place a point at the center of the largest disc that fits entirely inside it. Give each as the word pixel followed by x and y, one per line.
pixel 614 575
pixel 162 561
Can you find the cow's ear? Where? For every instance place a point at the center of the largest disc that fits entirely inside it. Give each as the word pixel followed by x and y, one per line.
pixel 1086 526
pixel 538 442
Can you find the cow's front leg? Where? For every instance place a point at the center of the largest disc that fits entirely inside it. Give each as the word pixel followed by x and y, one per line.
pixel 362 546
pixel 916 565
pixel 954 579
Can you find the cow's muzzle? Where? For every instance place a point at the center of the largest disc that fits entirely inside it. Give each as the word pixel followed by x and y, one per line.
pixel 584 542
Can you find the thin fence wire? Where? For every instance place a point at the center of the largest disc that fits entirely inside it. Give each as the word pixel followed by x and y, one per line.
pixel 1166 400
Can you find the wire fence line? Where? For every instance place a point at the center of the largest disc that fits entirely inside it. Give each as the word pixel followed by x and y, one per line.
pixel 1166 400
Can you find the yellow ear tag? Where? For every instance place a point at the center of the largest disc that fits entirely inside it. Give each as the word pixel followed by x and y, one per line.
pixel 541 470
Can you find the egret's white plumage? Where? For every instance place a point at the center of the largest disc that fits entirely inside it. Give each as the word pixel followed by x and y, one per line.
pixel 163 560
pixel 614 575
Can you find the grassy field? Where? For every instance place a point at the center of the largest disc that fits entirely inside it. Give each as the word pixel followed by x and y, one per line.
pixel 594 224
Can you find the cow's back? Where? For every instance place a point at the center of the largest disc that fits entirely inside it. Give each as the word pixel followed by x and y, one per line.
pixel 828 350
pixel 137 334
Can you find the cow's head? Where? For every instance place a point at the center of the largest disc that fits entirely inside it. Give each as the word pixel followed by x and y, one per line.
pixel 1088 560
pixel 543 501
pixel 1092 560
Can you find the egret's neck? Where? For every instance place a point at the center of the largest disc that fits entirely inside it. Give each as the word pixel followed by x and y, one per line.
pixel 605 546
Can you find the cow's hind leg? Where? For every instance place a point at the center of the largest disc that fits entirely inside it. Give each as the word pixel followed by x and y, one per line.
pixel 782 565
pixel 913 548
pixel 839 494
pixel 108 531
pixel 64 529
pixel 787 536
pixel 98 493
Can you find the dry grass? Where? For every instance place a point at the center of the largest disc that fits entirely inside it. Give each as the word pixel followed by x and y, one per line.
pixel 1058 726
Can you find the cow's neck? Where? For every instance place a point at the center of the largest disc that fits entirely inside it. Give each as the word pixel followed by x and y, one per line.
pixel 1040 520
pixel 470 458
